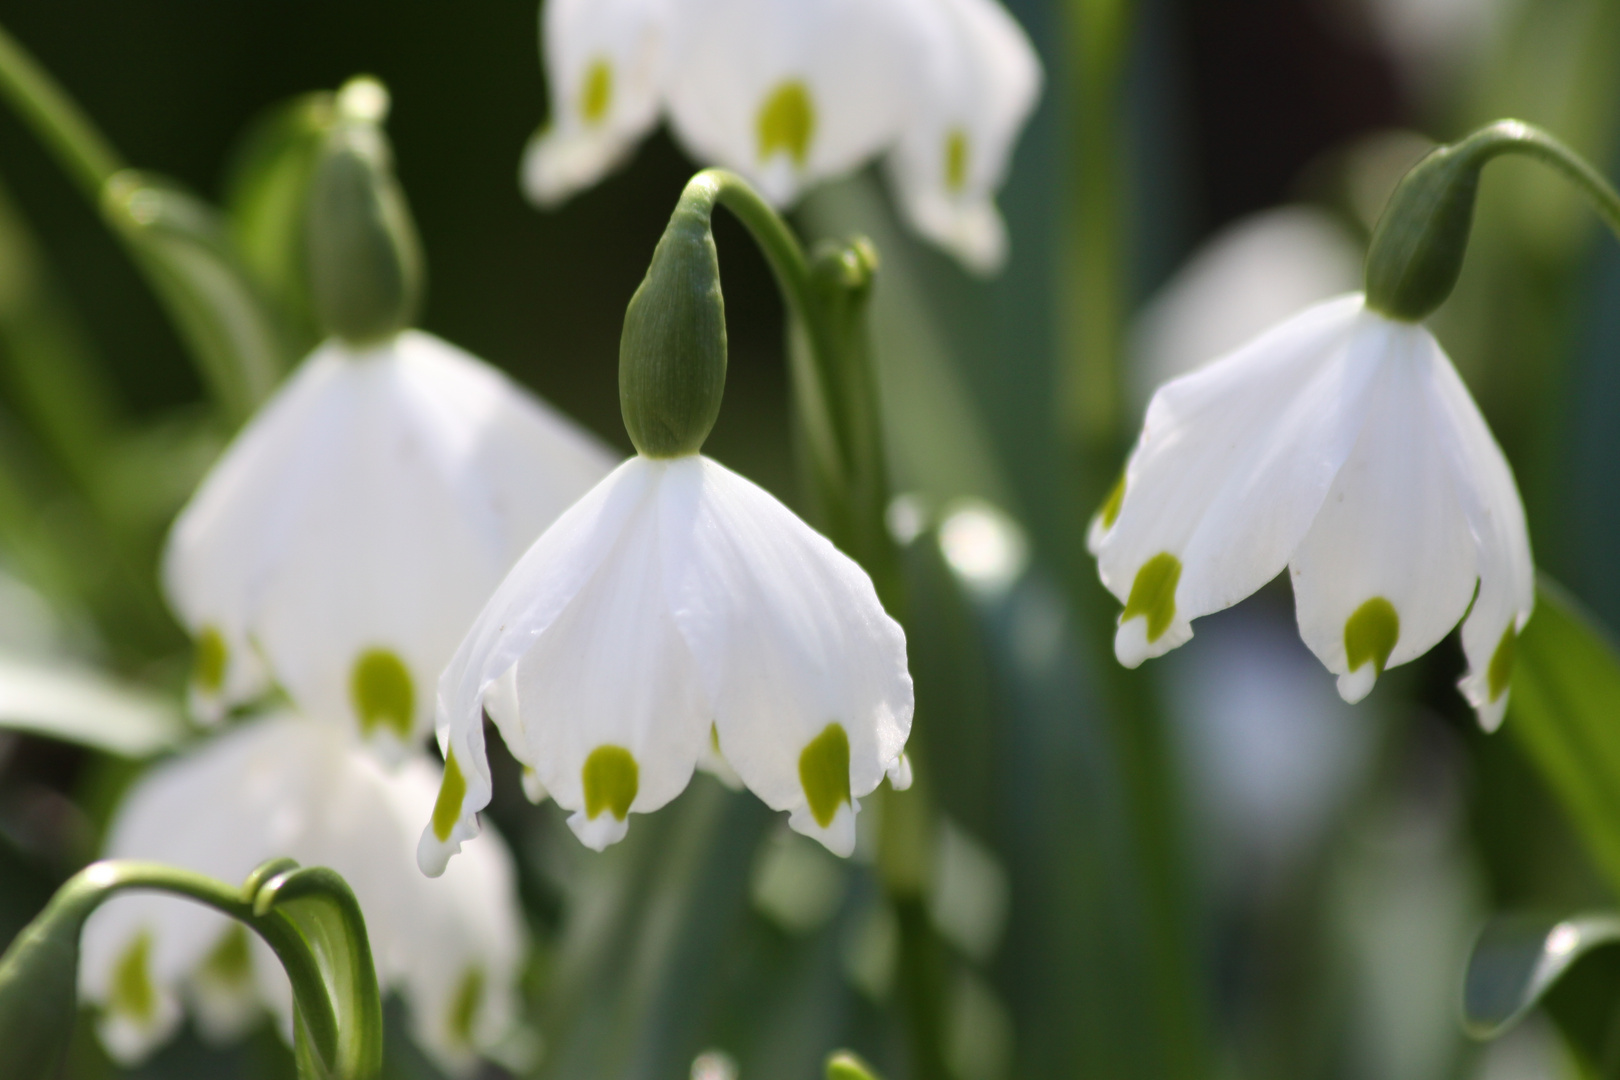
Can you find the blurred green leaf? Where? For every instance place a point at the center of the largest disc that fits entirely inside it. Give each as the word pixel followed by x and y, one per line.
pixel 220 311
pixel 845 1065
pixel 1565 712
pixel 78 705
pixel 1518 959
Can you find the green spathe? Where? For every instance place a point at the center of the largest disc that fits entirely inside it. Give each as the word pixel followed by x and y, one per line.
pixel 1370 633
pixel 824 773
pixel 672 354
pixel 383 695
pixel 612 779
pixel 365 261
pixel 1153 594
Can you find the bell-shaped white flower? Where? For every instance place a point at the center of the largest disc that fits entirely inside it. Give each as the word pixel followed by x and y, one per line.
pixel 286 785
pixel 604 69
pixel 677 612
pixel 1343 445
pixel 345 540
pixel 981 79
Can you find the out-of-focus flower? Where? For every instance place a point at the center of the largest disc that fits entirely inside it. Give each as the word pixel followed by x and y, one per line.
pixel 289 786
pixel 344 541
pixel 677 612
pixel 792 92
pixel 1343 445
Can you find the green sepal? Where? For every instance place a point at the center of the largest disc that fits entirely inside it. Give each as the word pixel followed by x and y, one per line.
pixel 672 354
pixel 366 271
pixel 1417 248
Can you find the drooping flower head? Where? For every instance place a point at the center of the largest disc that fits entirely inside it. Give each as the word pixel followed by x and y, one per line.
pixel 676 617
pixel 345 539
pixel 1343 445
pixel 285 785
pixel 791 92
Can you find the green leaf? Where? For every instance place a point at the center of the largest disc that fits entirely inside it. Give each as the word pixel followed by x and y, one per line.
pixel 79 705
pixel 1518 959
pixel 845 1065
pixel 1565 712
pixel 218 308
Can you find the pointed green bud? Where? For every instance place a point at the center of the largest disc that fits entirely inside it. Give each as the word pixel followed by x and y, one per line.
pixel 39 979
pixel 1417 248
pixel 672 355
pixel 365 261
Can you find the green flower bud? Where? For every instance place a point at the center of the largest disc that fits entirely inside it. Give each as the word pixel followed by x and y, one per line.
pixel 365 261
pixel 39 980
pixel 1417 248
pixel 672 355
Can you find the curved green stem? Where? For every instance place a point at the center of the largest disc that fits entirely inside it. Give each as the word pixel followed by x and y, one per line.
pixel 55 118
pixel 1417 249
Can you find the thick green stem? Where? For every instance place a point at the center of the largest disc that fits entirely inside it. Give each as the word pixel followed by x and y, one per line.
pixel 55 118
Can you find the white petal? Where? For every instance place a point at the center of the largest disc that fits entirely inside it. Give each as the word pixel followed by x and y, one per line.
pixel 789 92
pixel 900 773
pixel 604 68
pixel 789 637
pixel 562 565
pixel 286 785
pixel 367 512
pixel 1393 527
pixel 1233 464
pixel 980 80
pixel 1507 573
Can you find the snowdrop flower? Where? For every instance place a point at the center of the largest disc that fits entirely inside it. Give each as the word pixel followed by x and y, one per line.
pixel 792 92
pixel 286 785
pixel 676 616
pixel 981 81
pixel 344 541
pixel 1343 445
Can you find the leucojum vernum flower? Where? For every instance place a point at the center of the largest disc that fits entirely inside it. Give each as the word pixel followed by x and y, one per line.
pixel 788 93
pixel 337 551
pixel 676 617
pixel 1343 445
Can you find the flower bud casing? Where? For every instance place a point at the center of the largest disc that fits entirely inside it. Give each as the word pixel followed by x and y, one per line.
pixel 672 355
pixel 39 978
pixel 1417 248
pixel 365 261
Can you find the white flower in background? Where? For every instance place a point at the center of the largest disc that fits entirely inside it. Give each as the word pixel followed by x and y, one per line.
pixel 1343 445
pixel 981 80
pixel 290 786
pixel 792 92
pixel 1249 276
pixel 675 612
pixel 345 540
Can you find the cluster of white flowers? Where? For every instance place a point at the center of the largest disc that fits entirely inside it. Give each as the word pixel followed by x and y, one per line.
pixel 338 551
pixel 791 92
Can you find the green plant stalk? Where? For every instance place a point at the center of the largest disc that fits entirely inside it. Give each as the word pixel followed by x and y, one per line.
pixel 55 118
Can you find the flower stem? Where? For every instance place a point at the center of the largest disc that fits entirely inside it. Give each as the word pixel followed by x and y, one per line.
pixel 55 118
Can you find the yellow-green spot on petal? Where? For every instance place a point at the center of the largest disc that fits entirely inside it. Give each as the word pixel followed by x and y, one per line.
pixel 714 738
pixel 1153 594
pixel 132 991
pixel 1500 673
pixel 382 693
pixel 596 92
pixel 956 160
pixel 1111 505
pixel 611 781
pixel 1371 633
pixel 231 962
pixel 465 1005
pixel 452 789
pixel 824 773
pixel 787 123
pixel 208 662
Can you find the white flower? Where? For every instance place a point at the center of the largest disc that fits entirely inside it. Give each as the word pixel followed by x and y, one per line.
pixel 290 786
pixel 345 540
pixel 791 92
pixel 675 612
pixel 1343 445
pixel 981 80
